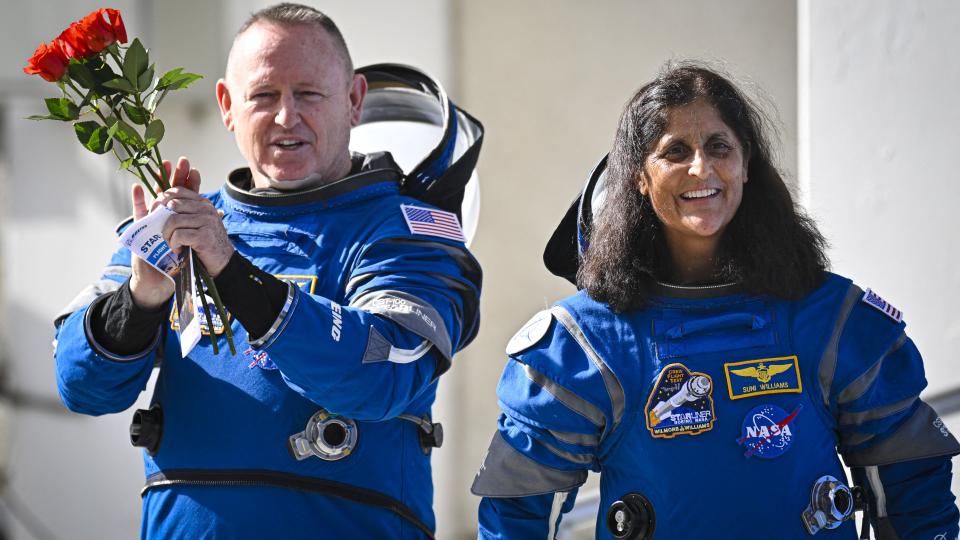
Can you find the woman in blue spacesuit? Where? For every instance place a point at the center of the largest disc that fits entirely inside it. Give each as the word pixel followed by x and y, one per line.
pixel 710 368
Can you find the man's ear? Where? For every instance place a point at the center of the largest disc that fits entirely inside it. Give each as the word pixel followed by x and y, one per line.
pixel 358 91
pixel 225 101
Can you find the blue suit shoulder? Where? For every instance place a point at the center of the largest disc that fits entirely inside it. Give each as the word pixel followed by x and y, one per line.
pixel 567 348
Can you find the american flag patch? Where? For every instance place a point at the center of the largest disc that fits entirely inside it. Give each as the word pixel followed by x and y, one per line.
pixel 433 222
pixel 873 299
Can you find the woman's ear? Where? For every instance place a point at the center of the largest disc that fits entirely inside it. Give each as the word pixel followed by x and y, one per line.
pixel 643 184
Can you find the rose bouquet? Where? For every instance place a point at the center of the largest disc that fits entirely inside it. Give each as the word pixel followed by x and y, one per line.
pixel 110 93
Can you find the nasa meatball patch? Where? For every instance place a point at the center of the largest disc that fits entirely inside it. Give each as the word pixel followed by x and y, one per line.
pixel 767 431
pixel 681 403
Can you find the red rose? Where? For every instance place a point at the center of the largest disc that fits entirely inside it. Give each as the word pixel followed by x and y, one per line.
pixel 116 23
pixel 93 33
pixel 73 43
pixel 48 61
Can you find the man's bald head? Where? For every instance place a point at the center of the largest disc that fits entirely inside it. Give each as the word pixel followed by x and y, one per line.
pixel 290 14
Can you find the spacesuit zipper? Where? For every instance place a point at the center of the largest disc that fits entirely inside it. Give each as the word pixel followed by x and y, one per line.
pixel 264 478
pixel 162 483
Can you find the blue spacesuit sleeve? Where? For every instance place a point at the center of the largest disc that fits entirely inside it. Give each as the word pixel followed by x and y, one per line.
pixel 897 446
pixel 409 305
pixel 536 516
pixel 911 499
pixel 874 392
pixel 90 379
pixel 556 414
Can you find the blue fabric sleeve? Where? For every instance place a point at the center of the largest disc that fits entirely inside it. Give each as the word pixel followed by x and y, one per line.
pixel 875 395
pixel 90 379
pixel 523 517
pixel 556 413
pixel 911 499
pixel 408 307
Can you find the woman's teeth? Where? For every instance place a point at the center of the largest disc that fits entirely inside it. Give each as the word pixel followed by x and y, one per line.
pixel 699 194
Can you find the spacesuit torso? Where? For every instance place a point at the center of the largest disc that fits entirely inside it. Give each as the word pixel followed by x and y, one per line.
pixel 374 314
pixel 708 416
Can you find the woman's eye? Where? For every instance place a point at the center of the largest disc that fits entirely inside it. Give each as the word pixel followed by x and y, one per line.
pixel 675 152
pixel 720 147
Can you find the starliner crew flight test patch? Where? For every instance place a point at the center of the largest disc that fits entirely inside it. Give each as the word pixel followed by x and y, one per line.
pixel 681 403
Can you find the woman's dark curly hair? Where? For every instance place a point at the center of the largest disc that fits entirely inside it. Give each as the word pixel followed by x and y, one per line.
pixel 769 247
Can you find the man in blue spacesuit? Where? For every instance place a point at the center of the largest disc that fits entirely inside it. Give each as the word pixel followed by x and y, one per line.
pixel 710 369
pixel 352 299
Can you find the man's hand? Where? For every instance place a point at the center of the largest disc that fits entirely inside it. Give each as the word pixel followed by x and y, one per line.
pixel 196 223
pixel 148 286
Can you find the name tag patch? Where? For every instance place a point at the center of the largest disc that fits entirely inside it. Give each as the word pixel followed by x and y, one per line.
pixel 767 431
pixel 763 376
pixel 681 403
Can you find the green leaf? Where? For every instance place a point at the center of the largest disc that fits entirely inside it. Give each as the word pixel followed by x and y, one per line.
pixel 143 82
pixel 135 61
pixel 137 115
pixel 80 73
pixel 93 137
pixel 154 100
pixel 184 80
pixel 62 109
pixel 126 134
pixel 168 78
pixel 126 164
pixel 154 133
pixel 114 126
pixel 102 72
pixel 120 84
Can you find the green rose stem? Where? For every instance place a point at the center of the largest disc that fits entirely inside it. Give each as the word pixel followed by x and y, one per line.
pixel 206 310
pixel 139 172
pixel 140 86
pixel 204 275
pixel 200 272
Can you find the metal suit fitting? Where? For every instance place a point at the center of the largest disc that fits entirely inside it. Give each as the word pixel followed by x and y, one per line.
pixel 631 518
pixel 430 433
pixel 325 436
pixel 831 503
pixel 146 428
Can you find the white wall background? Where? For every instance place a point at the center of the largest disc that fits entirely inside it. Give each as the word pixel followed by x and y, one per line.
pixel 869 85
pixel 878 144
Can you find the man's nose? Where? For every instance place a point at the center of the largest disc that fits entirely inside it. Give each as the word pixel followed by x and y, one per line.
pixel 699 165
pixel 287 115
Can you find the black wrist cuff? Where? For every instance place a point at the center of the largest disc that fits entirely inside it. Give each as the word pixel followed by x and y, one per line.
pixel 251 295
pixel 122 327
